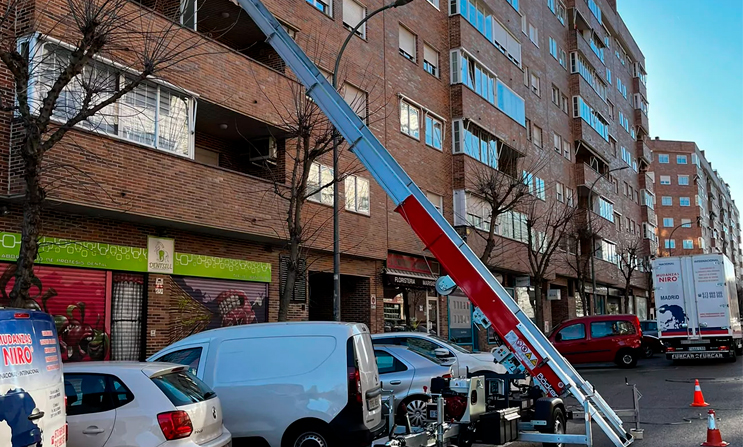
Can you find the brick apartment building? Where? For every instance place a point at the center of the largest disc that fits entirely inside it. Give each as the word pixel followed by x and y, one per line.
pixel 696 213
pixel 186 232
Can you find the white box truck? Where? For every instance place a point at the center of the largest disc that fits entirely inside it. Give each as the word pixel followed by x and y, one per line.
pixel 697 307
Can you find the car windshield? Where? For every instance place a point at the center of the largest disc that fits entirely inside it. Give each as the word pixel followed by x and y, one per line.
pixel 450 344
pixel 183 388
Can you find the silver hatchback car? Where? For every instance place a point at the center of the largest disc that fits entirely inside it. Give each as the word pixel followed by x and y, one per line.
pixel 408 374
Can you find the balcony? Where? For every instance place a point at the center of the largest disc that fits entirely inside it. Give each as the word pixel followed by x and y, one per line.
pixel 585 176
pixel 647 183
pixel 591 140
pixel 644 152
pixel 649 216
pixel 642 120
pixel 639 87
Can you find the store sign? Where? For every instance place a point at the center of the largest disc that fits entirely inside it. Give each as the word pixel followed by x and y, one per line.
pixel 97 255
pixel 408 281
pixel 412 264
pixel 160 254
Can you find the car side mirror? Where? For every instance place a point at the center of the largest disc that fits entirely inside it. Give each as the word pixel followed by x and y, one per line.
pixel 442 353
pixel 558 337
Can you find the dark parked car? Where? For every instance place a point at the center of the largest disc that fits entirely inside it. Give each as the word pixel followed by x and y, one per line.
pixel 649 327
pixel 600 338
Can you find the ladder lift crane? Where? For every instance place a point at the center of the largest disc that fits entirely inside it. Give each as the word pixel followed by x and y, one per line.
pixel 528 348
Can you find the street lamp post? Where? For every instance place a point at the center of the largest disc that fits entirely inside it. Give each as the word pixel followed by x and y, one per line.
pixel 590 233
pixel 670 236
pixel 336 200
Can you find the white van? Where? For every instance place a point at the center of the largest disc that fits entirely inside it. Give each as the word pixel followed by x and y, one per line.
pixel 32 398
pixel 298 384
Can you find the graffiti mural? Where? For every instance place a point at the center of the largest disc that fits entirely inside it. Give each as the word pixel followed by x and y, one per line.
pixel 76 299
pixel 211 303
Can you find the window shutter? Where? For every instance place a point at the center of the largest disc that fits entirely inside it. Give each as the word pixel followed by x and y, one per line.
pixel 500 35
pixel 300 284
pixel 513 47
pixel 352 13
pixel 407 41
pixel 430 55
pixel 356 99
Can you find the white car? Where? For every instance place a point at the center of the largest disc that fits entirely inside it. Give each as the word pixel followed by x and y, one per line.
pixel 467 364
pixel 112 404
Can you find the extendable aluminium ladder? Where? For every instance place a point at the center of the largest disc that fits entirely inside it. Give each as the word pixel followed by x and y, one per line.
pixel 527 343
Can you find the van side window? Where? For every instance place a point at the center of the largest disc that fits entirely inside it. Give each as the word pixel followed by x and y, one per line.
pixel 90 394
pixel 600 329
pixel 189 357
pixel 573 332
pixel 386 363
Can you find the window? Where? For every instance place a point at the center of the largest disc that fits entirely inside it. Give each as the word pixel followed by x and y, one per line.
pixel 528 129
pixel 431 60
pixel 666 201
pixel 560 192
pixel 387 364
pixel 663 158
pixel 435 3
pixel 473 75
pixel 668 222
pixel 535 84
pixel 481 17
pixel 580 65
pixel 688 244
pixel 572 332
pixel 409 119
pixel 563 59
pixel 684 201
pixel 561 12
pixel 566 149
pixel 590 116
pixel 189 357
pixel 407 43
pixel 686 223
pixel 539 189
pixel 601 329
pixel 183 388
pixel 322 5
pixel 595 9
pixel 683 179
pixel 478 144
pixel 534 34
pixel 596 45
pixel 608 252
pixel 569 195
pixel 524 27
pixel 681 159
pixel 536 135
pixel 138 116
pixel 565 106
pixel 670 243
pixel 506 42
pixel 551 6
pixel 353 13
pixel 528 179
pixel 436 200
pixel 605 209
pixel 434 132
pixel 623 121
pixel 626 156
pixel 665 179
pixel 557 143
pixel 357 194
pixel 555 96
pixel 510 103
pixel 608 76
pixel 87 393
pixel 320 184
pixel 355 98
pixel 553 47
pixel 514 3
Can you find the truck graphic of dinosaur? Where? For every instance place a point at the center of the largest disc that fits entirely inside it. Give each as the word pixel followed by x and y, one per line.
pixel 671 316
pixel 18 410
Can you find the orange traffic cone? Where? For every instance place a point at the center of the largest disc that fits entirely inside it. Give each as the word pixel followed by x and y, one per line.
pixel 714 439
pixel 698 398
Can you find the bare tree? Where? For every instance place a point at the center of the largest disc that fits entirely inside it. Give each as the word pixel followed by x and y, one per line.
pixel 577 247
pixel 546 222
pixel 631 256
pixel 58 87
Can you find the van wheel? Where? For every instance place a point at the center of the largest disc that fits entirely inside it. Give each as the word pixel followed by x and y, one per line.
pixel 627 359
pixel 648 351
pixel 559 426
pixel 308 436
pixel 415 408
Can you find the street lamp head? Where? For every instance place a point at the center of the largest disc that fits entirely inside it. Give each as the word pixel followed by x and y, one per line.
pixel 618 169
pixel 400 3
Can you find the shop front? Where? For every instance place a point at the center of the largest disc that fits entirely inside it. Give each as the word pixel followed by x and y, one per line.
pixel 410 299
pixel 99 293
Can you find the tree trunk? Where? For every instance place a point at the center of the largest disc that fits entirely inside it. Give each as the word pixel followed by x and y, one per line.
pixel 288 292
pixel 538 297
pixel 32 205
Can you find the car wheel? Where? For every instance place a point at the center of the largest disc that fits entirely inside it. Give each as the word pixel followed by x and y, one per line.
pixel 739 349
pixel 733 357
pixel 415 408
pixel 559 426
pixel 627 359
pixel 648 351
pixel 308 436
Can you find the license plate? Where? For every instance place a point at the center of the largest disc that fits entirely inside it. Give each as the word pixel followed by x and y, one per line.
pixel 432 412
pixel 374 403
pixel 696 348
pixel 696 355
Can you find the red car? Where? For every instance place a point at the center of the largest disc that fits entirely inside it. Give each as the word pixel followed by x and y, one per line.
pixel 600 338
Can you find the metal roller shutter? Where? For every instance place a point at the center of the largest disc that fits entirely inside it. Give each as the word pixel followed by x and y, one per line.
pixel 76 298
pixel 206 303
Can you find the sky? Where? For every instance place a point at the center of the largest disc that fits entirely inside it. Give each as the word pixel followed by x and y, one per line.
pixel 694 59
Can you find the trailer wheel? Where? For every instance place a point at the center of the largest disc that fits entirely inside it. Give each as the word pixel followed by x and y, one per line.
pixel 559 426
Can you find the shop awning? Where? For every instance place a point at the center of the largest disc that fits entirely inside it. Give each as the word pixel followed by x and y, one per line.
pixel 406 278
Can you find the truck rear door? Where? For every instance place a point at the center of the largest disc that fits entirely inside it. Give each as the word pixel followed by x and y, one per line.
pixel 670 298
pixel 712 307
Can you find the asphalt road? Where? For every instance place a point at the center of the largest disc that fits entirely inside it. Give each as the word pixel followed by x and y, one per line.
pixel 667 390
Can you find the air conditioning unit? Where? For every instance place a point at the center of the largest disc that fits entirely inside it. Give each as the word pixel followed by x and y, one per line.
pixel 263 150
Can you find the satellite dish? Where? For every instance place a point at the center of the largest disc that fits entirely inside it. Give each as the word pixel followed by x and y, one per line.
pixel 445 285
